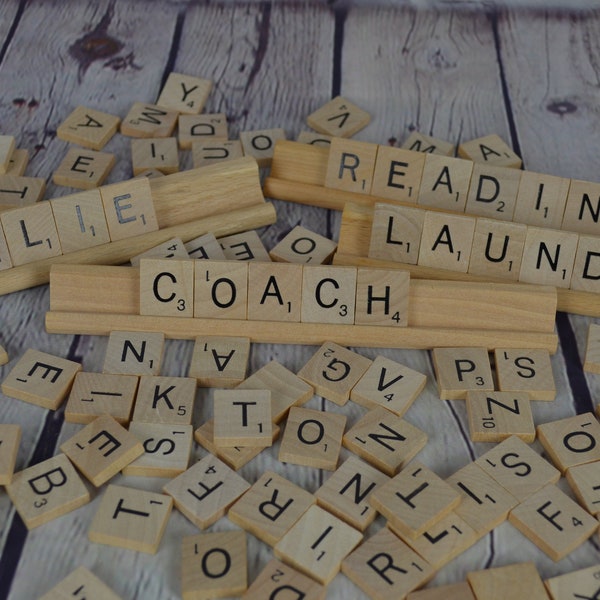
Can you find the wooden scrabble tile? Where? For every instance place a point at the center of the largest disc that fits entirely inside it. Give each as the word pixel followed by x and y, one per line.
pixel 351 165
pixel 419 142
pixel 397 174
pixel 388 384
pixel 134 353
pixel 396 233
pixel 582 583
pixel 260 144
pixel 205 128
pixel 585 268
pixel 527 370
pixel 205 247
pixel 173 248
pixel 274 291
pixel 581 208
pixel 333 371
pixel 446 241
pixel 148 120
pixel 328 294
pixel 17 165
pixel 154 153
pixel 130 518
pixel 214 151
pixel 346 493
pixel 495 416
pixel 591 362
pixel 47 490
pixel 88 127
pixel 129 208
pixel 338 117
pixel 445 182
pixel 585 483
pixel 167 449
pixel 571 441
pixel 385 440
pixel 221 289
pixel 30 233
pixel 518 468
pixel 41 378
pixel 317 543
pixel 414 500
pixel 165 400
pixel 7 147
pixel 80 220
pixel 219 361
pixel 452 591
pixel 244 246
pixel 79 585
pixel 17 191
pixel 303 246
pixel 312 438
pixel 548 257
pixel 213 565
pixel 553 522
pixel 385 567
pixel 150 174
pixel 497 249
pixel 512 581
pixel 83 169
pixel 206 490
pixel 10 438
pixel 491 150
pixel 3 355
pixel 382 297
pixel 185 93
pixel 101 449
pixel 458 370
pixel 314 139
pixel 270 507
pixel 95 394
pixel 5 260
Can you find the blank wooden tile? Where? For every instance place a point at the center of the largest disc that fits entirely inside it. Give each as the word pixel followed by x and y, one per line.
pixel 5 260
pixel 130 518
pixel 10 438
pixel 419 142
pixel 163 399
pixel 584 481
pixel 385 567
pixel 451 591
pixel 17 191
pixel 351 165
pixel 260 144
pixel 88 127
pixel 317 544
pixel 101 449
pixel 382 297
pixel 205 247
pixel 214 151
pixel 582 583
pixel 17 165
pixel 274 291
pixel 525 370
pixel 219 361
pixel 154 153
pixel 586 267
pixel 445 182
pixel 83 169
pixel 458 370
pixel 134 353
pixel 79 585
pixel 185 93
pixel 213 565
pixel 221 289
pixel 149 120
pixel 244 246
pixel 173 248
pixel 314 139
pixel 512 581
pixel 270 507
pixel 338 117
pixel 303 246
pixel 47 490
pixel 581 209
pixel 592 349
pixel 397 174
pixel 493 192
pixel 201 128
pixel 312 438
pixel 333 371
pixel 490 150
pixel 385 440
pixel 7 147
pixel 41 378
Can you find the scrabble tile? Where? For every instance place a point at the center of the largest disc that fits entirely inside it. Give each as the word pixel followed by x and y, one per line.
pixel 346 493
pixel 3 355
pixel 518 468
pixel 165 400
pixel 493 192
pixel 150 174
pixel 274 292
pixel 154 153
pixel 88 127
pixel 312 438
pixel 79 585
pixel 445 182
pixel 214 151
pixel 458 370
pixel 527 370
pixel 219 361
pixel 451 591
pixel 585 275
pixel 205 247
pixel 317 543
pixel 581 208
pixel 396 233
pixel 414 500
pixel 314 139
pixel 173 248
pixel 397 174
pixel 582 583
pixel 388 384
pixel 206 490
pixel 84 169
pixel 204 128
pixel 7 147
pixel 385 567
pixel 244 246
pixel 17 165
pixel 592 349
pixel 495 416
pixel 260 144
pixel 80 220
pixel 41 378
pixel 553 522
pixel 512 581
pixel 328 294
pixel 148 120
pixel 10 438
pixel 446 241
pixel 497 249
pixel 17 191
pixel 46 491
pixel 351 165
pixel 333 371
pixel 303 246
pixel 548 257
pixel 5 260
pixel 382 297
pixel 584 481
pixel 213 565
pixel 419 142
pixel 167 449
pixel 571 441
pixel 134 353
pixel 101 449
pixel 185 93
pixel 491 150
pixel 30 233
pixel 270 507
pixel 221 289
pixel 338 117
pixel 130 518
pixel 95 394
pixel 129 208
pixel 385 440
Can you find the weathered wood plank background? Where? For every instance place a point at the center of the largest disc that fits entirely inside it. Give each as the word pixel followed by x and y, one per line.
pixel 531 77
